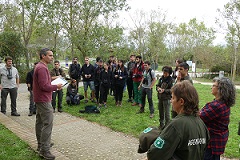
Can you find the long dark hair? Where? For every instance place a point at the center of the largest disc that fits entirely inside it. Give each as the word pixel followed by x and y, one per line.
pixel 120 67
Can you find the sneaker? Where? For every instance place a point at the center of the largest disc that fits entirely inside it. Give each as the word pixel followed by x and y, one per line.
pixel 15 114
pixel 105 105
pixel 129 100
pixel 60 110
pixel 93 101
pixel 151 115
pixel 86 101
pixel 47 155
pixel 30 114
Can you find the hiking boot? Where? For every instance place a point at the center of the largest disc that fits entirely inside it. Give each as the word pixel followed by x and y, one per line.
pixel 15 114
pixel 47 155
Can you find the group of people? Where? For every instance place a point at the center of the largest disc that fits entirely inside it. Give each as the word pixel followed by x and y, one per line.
pixel 191 133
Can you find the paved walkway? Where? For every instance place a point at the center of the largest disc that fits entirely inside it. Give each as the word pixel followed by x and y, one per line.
pixel 74 138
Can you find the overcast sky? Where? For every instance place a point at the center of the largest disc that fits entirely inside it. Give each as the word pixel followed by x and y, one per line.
pixel 178 10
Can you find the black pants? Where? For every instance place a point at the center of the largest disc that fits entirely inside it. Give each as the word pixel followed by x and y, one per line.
pixel 60 96
pixel 13 97
pixel 130 88
pixel 97 92
pixel 103 94
pixel 119 92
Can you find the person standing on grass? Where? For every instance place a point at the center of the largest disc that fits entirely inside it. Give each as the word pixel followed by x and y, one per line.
pixel 130 67
pixel 183 75
pixel 120 76
pixel 9 84
pixel 186 136
pixel 74 70
pixel 105 84
pixel 146 85
pixel 216 116
pixel 164 86
pixel 29 82
pixel 137 77
pixel 97 71
pixel 42 94
pixel 87 73
pixel 57 72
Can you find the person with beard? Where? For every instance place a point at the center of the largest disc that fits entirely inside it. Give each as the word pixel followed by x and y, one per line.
pixel 130 67
pixel 137 78
pixel 57 72
pixel 163 88
pixel 74 70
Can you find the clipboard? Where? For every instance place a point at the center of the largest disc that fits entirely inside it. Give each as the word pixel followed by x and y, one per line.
pixel 60 80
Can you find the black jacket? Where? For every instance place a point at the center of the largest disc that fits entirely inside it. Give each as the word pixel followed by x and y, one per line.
pixel 165 83
pixel 106 78
pixel 29 78
pixel 97 72
pixel 86 70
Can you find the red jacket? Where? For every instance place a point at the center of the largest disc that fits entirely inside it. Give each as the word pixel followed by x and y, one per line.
pixel 138 72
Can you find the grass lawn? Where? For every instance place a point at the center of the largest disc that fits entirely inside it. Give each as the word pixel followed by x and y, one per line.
pixel 13 148
pixel 124 119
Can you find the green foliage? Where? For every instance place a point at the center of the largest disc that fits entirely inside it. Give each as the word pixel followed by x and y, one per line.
pixel 13 148
pixel 11 45
pixel 125 119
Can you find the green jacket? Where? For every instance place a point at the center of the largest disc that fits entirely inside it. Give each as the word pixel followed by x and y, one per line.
pixel 184 138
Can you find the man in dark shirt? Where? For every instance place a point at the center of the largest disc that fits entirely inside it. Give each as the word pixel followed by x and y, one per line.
pixel 56 73
pixel 29 82
pixel 87 73
pixel 130 67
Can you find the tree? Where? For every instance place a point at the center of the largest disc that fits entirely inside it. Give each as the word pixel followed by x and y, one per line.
pixel 231 23
pixel 11 45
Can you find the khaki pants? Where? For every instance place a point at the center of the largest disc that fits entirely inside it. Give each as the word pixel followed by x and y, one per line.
pixel 44 124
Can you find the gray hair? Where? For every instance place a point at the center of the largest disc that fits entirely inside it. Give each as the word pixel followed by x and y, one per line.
pixel 227 90
pixel 43 52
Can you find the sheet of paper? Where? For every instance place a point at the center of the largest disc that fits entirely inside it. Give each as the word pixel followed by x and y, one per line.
pixel 60 80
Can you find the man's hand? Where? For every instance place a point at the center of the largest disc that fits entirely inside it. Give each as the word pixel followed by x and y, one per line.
pixel 59 86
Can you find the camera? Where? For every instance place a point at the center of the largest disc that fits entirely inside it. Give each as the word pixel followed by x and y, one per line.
pixel 145 81
pixel 9 76
pixel 137 76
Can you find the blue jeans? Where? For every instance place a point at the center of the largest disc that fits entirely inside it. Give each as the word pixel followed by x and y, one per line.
pixel 147 92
